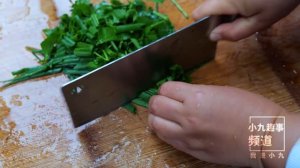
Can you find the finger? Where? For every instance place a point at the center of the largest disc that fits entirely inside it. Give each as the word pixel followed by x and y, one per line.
pixel 178 91
pixel 166 108
pixel 165 128
pixel 215 7
pixel 175 142
pixel 239 29
pixel 184 143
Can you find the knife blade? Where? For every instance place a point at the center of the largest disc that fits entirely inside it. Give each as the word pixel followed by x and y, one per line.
pixel 105 89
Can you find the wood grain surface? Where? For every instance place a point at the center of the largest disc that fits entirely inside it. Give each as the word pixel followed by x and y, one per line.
pixel 35 126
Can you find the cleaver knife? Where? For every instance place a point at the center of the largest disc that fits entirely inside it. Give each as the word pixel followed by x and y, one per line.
pixel 105 89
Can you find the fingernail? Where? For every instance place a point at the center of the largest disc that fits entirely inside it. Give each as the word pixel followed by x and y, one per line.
pixel 215 36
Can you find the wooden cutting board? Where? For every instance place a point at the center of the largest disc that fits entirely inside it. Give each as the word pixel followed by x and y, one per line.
pixel 35 125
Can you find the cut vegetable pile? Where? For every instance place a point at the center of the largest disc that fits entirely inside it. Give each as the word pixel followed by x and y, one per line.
pixel 94 35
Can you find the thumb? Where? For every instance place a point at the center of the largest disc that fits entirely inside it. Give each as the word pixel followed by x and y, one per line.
pixel 239 29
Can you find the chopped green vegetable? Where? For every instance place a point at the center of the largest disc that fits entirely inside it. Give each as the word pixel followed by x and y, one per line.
pixel 157 2
pixel 94 35
pixel 177 5
pixel 130 107
pixel 183 12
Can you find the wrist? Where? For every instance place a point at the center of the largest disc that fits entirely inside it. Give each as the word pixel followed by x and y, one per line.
pixel 291 137
pixel 269 116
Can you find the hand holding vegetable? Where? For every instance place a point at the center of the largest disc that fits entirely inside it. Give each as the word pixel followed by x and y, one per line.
pixel 211 122
pixel 255 15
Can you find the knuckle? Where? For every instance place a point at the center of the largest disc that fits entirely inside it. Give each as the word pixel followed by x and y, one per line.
pixel 198 97
pixel 179 144
pixel 194 143
pixel 233 37
pixel 230 35
pixel 164 88
pixel 188 145
pixel 193 116
pixel 184 144
pixel 195 14
pixel 192 121
pixel 237 34
pixel 154 104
